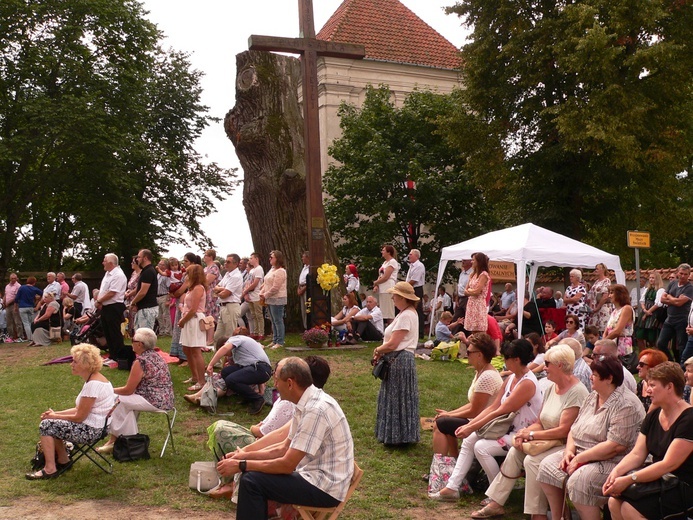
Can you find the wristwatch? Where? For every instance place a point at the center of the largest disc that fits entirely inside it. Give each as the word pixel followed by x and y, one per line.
pixel 243 466
pixel 634 477
pixel 531 435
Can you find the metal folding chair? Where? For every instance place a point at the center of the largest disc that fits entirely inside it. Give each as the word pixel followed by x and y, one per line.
pixel 170 421
pixel 89 449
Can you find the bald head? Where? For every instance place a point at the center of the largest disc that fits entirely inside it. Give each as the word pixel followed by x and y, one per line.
pixel 607 347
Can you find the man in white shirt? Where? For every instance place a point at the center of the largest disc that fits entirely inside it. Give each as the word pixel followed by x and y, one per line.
pixel 251 293
pixel 301 290
pixel 229 292
pixel 80 294
pixel 312 466
pixel 110 301
pixel 52 286
pixel 367 324
pixel 416 276
pixel 461 286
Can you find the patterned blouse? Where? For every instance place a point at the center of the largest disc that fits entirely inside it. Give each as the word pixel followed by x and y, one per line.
pixel 212 307
pixel 156 386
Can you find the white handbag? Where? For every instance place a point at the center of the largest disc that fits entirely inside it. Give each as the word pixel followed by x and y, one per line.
pixel 203 476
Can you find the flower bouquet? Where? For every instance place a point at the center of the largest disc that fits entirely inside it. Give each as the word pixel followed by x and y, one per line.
pixel 317 336
pixel 327 277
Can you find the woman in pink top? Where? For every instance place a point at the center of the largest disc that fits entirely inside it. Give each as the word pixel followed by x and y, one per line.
pixel 273 293
pixel 191 337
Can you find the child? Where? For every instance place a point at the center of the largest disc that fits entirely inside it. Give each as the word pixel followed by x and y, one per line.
pixel 591 336
pixel 443 332
pixel 550 330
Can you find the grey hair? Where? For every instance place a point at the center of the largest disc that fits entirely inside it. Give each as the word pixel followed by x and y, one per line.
pixel 297 369
pixel 610 345
pixel 112 258
pixel 576 272
pixel 685 267
pixel 147 336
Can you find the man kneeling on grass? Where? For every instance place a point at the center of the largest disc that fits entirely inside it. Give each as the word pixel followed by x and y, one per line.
pixel 312 467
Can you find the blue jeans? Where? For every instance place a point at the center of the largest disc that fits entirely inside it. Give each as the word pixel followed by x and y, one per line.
pixel 676 331
pixel 687 352
pixel 257 488
pixel 239 378
pixel 277 318
pixel 27 315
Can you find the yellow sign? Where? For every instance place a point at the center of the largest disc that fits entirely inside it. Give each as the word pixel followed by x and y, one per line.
pixel 502 271
pixel 639 239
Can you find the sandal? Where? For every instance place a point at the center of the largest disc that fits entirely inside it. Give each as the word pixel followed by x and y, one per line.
pixel 41 475
pixel 192 399
pixel 189 381
pixel 489 511
pixel 195 388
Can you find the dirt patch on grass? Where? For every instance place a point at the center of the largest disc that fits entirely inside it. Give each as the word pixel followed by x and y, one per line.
pixel 96 509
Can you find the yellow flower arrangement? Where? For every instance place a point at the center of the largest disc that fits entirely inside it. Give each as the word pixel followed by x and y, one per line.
pixel 327 277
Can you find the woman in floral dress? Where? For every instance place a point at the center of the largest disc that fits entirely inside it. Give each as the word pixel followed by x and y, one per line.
pixel 574 297
pixel 598 299
pixel 475 318
pixel 213 276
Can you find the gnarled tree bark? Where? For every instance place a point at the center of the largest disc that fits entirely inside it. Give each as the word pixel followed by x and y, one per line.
pixel 266 129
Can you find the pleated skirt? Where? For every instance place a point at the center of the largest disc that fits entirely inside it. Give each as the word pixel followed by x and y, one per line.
pixel 397 419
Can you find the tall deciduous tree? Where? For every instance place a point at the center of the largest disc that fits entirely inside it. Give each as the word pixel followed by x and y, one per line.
pixel 96 130
pixel 398 181
pixel 590 102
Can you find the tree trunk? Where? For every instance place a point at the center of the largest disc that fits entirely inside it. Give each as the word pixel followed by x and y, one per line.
pixel 266 129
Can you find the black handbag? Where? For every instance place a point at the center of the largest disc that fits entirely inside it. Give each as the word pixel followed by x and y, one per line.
pixel 131 447
pixel 381 368
pixel 639 490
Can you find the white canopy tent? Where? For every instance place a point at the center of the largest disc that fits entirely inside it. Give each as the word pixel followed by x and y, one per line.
pixel 530 246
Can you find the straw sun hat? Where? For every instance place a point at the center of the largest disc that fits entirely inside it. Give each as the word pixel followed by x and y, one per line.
pixel 405 290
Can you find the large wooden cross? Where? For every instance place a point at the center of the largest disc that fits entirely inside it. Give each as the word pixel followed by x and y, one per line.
pixel 310 48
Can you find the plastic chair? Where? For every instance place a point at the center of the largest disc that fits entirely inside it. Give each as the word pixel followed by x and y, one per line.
pixel 170 421
pixel 320 513
pixel 89 449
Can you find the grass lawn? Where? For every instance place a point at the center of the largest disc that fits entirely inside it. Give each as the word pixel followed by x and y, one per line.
pixel 391 486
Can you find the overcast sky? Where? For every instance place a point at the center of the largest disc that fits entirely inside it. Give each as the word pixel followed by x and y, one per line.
pixel 213 32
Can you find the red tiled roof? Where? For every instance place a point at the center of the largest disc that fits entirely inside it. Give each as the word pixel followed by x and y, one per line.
pixel 590 276
pixel 390 32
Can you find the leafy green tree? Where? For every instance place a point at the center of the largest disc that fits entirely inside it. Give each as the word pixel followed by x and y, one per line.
pixel 96 130
pixel 398 182
pixel 590 104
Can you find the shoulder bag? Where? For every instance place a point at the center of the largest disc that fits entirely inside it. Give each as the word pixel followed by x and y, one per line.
pixel 203 476
pixel 639 490
pixel 206 323
pixel 381 368
pixel 496 428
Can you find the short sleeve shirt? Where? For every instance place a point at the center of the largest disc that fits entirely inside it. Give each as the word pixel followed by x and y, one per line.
pixel 255 273
pixel 658 440
pixel 554 404
pixel 406 320
pixel 148 275
pixel 246 351
pixel 679 314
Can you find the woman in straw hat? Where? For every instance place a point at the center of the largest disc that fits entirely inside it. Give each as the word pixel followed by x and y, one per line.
pixel 397 420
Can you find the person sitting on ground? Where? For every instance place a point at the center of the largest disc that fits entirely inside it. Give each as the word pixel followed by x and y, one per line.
pixel 367 324
pixel 341 321
pixel 275 424
pixel 606 428
pixel 563 398
pixel 667 436
pixel 443 332
pixel 521 395
pixel 481 394
pixel 572 330
pixel 69 311
pixel 82 424
pixel 148 388
pixel 591 336
pixel 48 316
pixel 251 367
pixel 312 467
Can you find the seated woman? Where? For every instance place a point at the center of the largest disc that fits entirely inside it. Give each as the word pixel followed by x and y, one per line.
pixel 667 435
pixel 480 395
pixel 572 330
pixel 562 401
pixel 68 314
pixel 648 359
pixel 81 424
pixel 148 388
pixel 521 395
pixel 48 316
pixel 605 429
pixel 343 317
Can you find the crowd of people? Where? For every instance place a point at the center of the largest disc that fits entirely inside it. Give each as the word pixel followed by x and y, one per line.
pixel 565 413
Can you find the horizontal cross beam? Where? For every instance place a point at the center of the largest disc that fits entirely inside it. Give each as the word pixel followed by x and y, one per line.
pixel 301 45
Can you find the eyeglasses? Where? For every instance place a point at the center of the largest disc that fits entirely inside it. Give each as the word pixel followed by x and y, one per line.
pixel 569 321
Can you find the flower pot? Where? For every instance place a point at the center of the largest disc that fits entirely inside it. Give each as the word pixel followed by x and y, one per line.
pixel 316 344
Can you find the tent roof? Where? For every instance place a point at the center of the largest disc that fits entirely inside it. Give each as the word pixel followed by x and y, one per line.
pixel 532 244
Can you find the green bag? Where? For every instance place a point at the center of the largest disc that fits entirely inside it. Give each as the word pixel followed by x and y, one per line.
pixel 445 351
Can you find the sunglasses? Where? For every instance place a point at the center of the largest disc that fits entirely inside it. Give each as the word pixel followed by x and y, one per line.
pixel 569 321
pixel 641 364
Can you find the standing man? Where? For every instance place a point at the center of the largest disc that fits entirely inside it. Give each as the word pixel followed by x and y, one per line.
pixel 163 299
pixel 301 290
pixel 64 286
pixel 229 292
pixel 110 301
pixel 27 297
pixel 462 282
pixel 678 298
pixel 144 301
pixel 312 467
pixel 416 276
pixel 14 322
pixel 80 294
pixel 52 286
pixel 251 293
